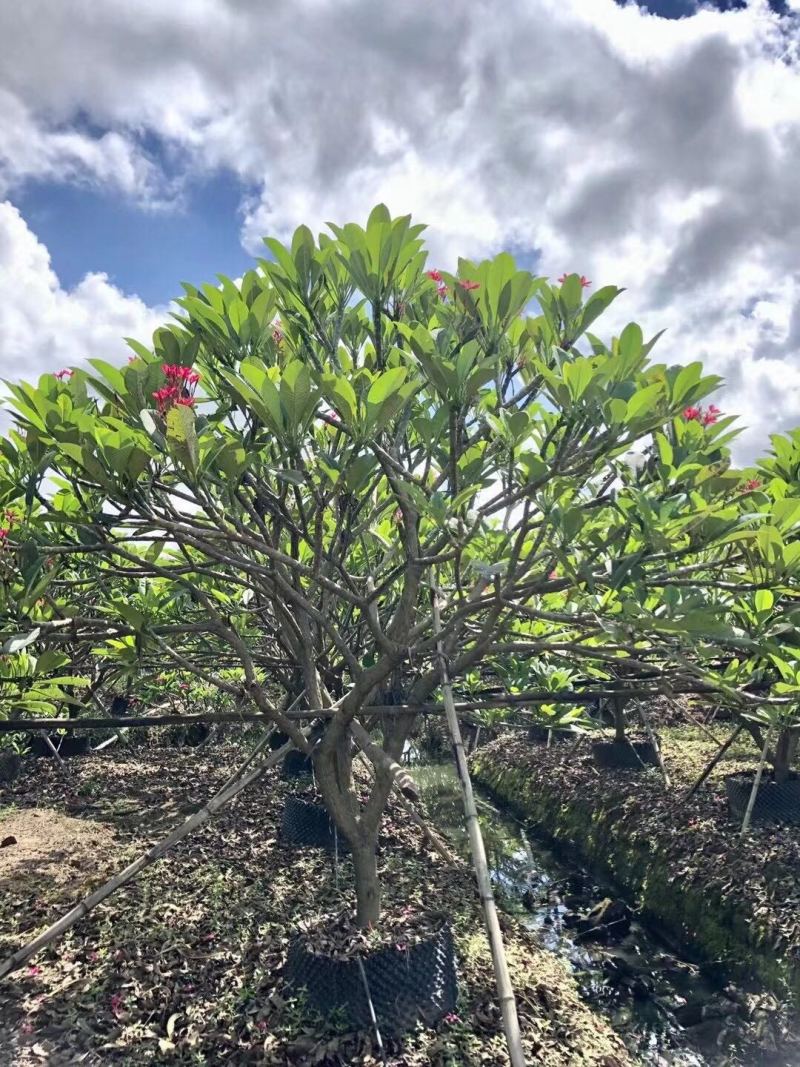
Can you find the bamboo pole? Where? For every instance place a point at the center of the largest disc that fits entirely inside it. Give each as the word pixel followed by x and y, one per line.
pixel 54 752
pixel 505 991
pixel 713 762
pixel 507 700
pixel 656 747
pixel 756 783
pixel 234 785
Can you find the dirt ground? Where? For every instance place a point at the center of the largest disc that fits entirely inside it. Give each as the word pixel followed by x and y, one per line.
pixel 185 964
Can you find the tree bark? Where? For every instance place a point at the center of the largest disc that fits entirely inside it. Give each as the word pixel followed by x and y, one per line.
pixel 619 720
pixel 784 753
pixel 368 889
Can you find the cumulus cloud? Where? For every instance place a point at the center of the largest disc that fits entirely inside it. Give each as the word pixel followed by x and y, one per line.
pixel 659 155
pixel 44 327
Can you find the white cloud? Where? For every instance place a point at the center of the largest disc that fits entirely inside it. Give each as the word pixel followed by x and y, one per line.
pixel 660 155
pixel 44 327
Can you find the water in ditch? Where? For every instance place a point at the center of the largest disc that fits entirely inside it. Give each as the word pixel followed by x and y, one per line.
pixel 667 1010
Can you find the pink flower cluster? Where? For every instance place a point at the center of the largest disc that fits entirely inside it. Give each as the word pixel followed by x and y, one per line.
pixel 441 288
pixel 180 387
pixel 64 375
pixel 751 485
pixel 585 283
pixel 705 416
pixel 277 332
pixel 11 518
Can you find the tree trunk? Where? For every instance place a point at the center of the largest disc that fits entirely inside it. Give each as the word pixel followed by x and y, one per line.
pixel 619 720
pixel 784 753
pixel 368 890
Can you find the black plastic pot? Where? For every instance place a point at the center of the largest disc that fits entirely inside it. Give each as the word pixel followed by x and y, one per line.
pixel 9 766
pixel 308 825
pixel 406 985
pixel 67 746
pixel 777 803
pixel 296 764
pixel 539 734
pixel 624 755
pixel 277 740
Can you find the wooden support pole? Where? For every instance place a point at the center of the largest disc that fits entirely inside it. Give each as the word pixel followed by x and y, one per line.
pixel 654 742
pixel 709 767
pixel 751 802
pixel 234 785
pixel 505 991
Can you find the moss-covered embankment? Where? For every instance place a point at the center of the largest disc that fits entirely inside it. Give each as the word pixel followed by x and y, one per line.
pixel 725 898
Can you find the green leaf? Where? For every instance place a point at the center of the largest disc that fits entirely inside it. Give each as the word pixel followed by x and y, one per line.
pixel 764 600
pixel 386 384
pixel 181 433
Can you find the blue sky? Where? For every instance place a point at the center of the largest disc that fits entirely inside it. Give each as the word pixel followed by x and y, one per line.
pixel 148 251
pixel 656 149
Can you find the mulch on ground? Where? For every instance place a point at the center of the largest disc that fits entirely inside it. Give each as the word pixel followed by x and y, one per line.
pixel 185 964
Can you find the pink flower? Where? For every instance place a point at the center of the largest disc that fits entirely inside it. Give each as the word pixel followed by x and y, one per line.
pixel 751 485
pixel 706 416
pixel 4 534
pixel 711 415
pixel 585 283
pixel 434 275
pixel 451 1018
pixel 117 1003
pixel 185 402
pixel 33 970
pixel 468 285
pixel 441 291
pixel 62 374
pixel 166 397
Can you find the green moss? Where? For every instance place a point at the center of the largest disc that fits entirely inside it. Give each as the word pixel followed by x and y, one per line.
pixel 693 914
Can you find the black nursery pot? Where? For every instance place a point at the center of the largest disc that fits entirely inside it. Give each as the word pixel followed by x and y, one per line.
pixel 9 766
pixel 296 764
pixel 538 735
pixel 277 740
pixel 67 746
pixel 777 803
pixel 308 825
pixel 406 985
pixel 624 755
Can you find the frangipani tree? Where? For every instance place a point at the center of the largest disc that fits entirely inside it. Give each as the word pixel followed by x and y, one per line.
pixel 303 456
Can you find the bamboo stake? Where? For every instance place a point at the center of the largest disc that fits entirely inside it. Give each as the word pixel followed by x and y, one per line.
pixel 54 753
pixel 505 991
pixel 656 747
pixel 713 762
pixel 228 791
pixel 756 783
